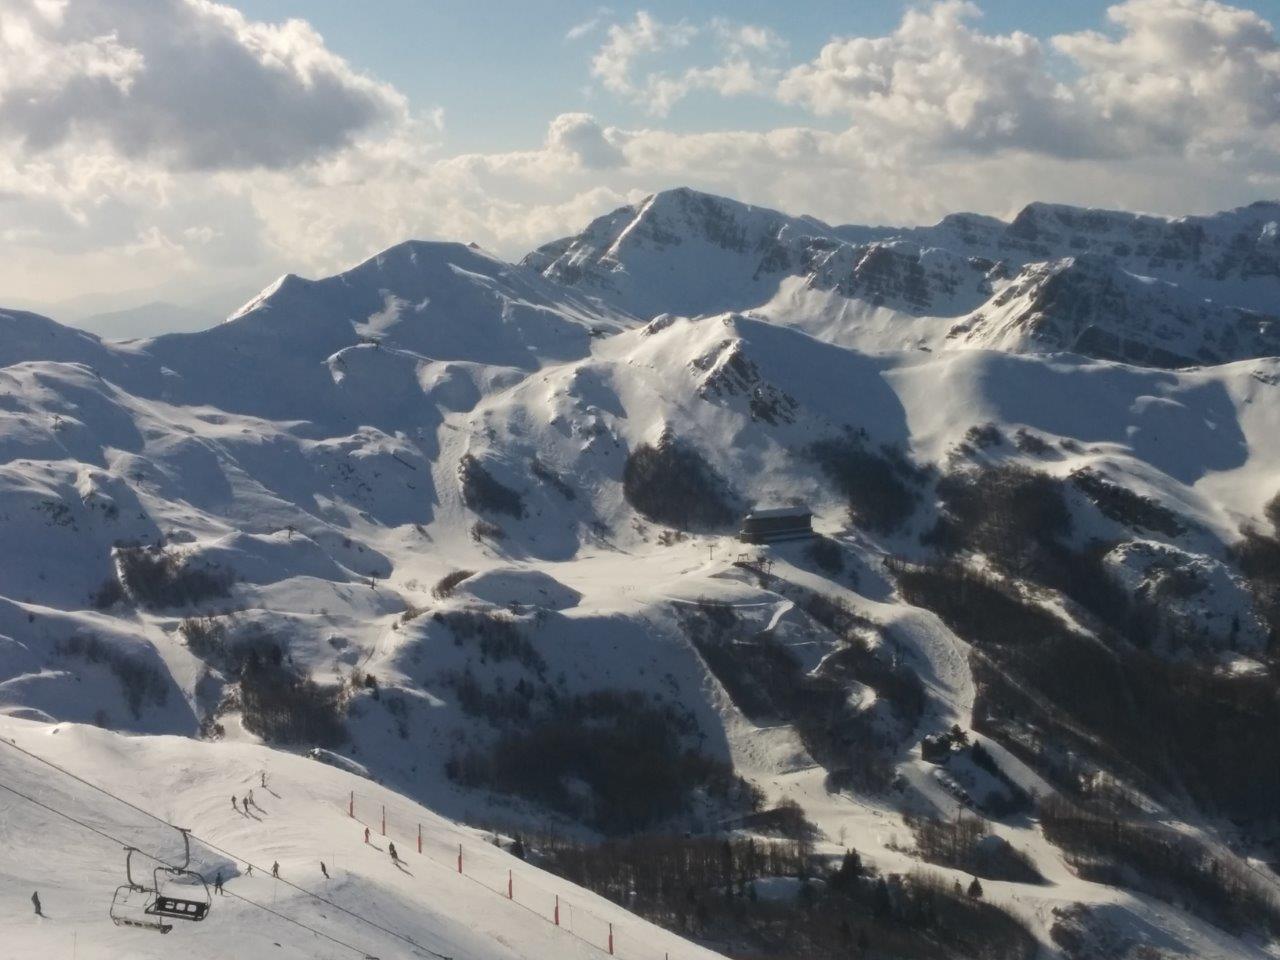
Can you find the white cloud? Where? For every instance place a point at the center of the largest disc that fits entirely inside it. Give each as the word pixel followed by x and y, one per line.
pixel 1171 107
pixel 627 42
pixel 744 55
pixel 939 81
pixel 191 83
pixel 1174 75
pixel 580 136
pixel 588 26
pixel 1180 72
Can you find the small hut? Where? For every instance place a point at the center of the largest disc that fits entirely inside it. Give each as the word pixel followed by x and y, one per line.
pixel 776 523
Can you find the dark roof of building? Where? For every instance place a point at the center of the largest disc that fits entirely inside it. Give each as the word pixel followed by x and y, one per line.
pixel 777 513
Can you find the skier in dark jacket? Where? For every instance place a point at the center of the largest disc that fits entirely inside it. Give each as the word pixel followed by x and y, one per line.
pixel 324 870
pixel 392 848
pixel 217 883
pixel 35 901
pixel 275 869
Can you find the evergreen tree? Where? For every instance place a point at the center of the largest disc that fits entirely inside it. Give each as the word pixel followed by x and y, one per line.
pixel 975 889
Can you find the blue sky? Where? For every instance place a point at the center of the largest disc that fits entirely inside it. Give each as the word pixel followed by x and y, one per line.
pixel 179 150
pixel 503 68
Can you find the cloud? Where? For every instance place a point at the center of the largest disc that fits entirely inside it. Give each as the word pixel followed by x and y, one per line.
pixel 191 83
pixel 744 52
pixel 1173 75
pixel 1169 106
pixel 626 42
pixel 1180 72
pixel 937 80
pixel 580 136
pixel 588 26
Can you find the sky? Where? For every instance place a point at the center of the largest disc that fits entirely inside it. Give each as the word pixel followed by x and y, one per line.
pixel 192 150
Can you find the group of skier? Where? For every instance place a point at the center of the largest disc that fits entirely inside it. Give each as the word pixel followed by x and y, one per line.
pixel 237 803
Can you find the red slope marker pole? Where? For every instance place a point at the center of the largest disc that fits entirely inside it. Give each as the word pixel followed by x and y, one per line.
pixel 459 858
pixel 351 805
pixel 384 819
pixel 557 909
pixel 510 886
pixel 611 939
pixel 419 838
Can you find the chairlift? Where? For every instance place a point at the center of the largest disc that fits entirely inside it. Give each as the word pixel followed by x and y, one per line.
pixel 167 896
pixel 129 905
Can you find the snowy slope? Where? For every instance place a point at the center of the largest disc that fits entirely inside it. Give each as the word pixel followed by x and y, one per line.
pixel 423 908
pixel 1055 278
pixel 340 445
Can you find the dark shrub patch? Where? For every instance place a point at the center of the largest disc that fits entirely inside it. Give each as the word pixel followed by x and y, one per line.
pixel 1177 727
pixel 1258 557
pixel 551 479
pixel 671 483
pixel 481 492
pixel 448 583
pixel 156 577
pixel 1028 442
pixel 826 555
pixel 282 707
pixel 1122 505
pixel 964 843
pixel 499 636
pixel 140 681
pixel 880 487
pixel 704 887
pixel 1163 863
pixel 766 682
pixel 630 753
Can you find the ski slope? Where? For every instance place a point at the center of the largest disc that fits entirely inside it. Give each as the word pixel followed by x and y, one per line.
pixel 422 908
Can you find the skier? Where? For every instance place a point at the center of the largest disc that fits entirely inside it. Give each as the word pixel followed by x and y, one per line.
pixel 35 900
pixel 366 834
pixel 264 779
pixel 394 857
pixel 249 872
pixel 324 870
pixel 248 801
pixel 217 884
pixel 275 869
pixel 233 804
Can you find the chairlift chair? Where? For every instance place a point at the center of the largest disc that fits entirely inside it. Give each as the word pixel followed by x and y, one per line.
pixel 166 878
pixel 161 899
pixel 131 900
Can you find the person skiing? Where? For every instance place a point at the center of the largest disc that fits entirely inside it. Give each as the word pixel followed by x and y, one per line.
pixel 264 779
pixel 35 901
pixel 233 804
pixel 366 834
pixel 248 801
pixel 249 871
pixel 275 869
pixel 392 848
pixel 217 884
pixel 324 870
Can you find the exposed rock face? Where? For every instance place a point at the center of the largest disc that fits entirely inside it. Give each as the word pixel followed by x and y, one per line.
pixel 1089 305
pixel 1117 286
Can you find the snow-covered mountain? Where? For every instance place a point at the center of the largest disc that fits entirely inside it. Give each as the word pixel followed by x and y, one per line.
pixel 469 527
pixel 1055 278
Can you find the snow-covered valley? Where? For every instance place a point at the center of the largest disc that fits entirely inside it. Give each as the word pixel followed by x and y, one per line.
pixel 470 527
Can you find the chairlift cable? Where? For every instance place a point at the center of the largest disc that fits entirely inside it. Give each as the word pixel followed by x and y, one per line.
pixel 116 840
pixel 226 853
